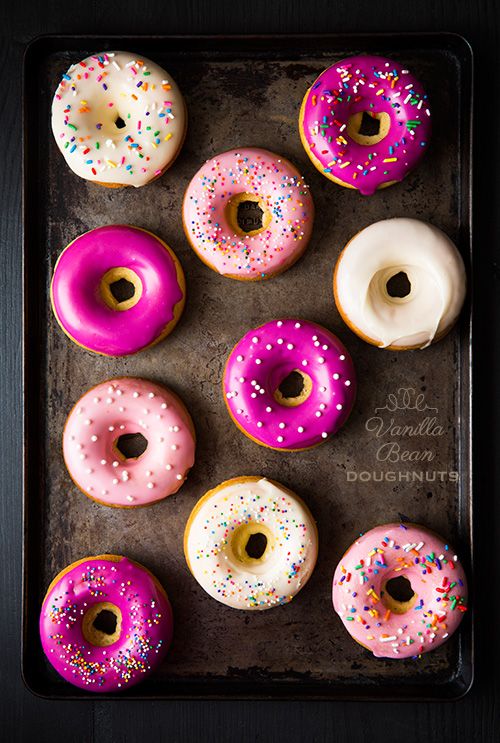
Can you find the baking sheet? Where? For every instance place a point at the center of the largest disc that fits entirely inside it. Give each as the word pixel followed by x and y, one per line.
pixel 247 91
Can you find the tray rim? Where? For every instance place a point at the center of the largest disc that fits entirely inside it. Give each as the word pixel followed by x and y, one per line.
pixel 457 687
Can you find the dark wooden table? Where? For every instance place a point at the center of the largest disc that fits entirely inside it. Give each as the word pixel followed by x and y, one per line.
pixel 24 717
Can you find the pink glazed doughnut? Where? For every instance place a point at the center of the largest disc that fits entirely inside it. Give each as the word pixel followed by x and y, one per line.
pixel 354 91
pixel 405 620
pixel 119 408
pixel 82 297
pixel 105 623
pixel 289 384
pixel 230 182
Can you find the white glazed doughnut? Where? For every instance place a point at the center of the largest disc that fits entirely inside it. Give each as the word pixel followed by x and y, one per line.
pixel 218 534
pixel 434 269
pixel 118 119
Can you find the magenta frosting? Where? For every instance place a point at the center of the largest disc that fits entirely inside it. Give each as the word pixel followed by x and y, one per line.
pixel 147 625
pixel 264 357
pixel 371 84
pixel 76 298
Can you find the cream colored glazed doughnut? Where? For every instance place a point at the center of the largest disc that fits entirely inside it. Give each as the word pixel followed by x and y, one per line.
pixel 118 119
pixel 434 269
pixel 218 539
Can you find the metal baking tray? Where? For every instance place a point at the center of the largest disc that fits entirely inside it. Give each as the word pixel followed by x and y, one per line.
pixel 241 91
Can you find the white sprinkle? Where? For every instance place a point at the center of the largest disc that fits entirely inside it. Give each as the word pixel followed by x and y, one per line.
pixel 269 346
pixel 297 324
pixel 109 400
pixel 83 456
pixel 315 337
pixel 342 357
pixel 290 346
pixel 279 341
pixel 115 481
pixel 268 409
pixel 321 360
pixel 282 425
pixel 322 389
pixel 304 363
pixel 135 394
pixel 93 438
pixel 388 639
pixel 336 376
pixel 151 485
pixel 255 339
pixel 88 422
pixel 239 358
pixel 242 379
pixel 111 428
pixel 175 429
pixel 78 411
pixel 164 406
pixel 89 471
pixel 96 400
pixel 179 477
pixel 279 323
pixel 300 429
pixel 148 473
pixel 324 435
pixel 79 446
pixel 347 382
pixel 130 498
pixel 168 466
pixel 121 409
pixel 317 343
pixel 104 492
pixel 280 439
pixel 322 406
pixel 339 406
pixel 259 424
pixel 151 395
pixel 115 463
pixel 318 414
pixel 174 447
pixel 258 361
pixel 103 461
pixel 325 347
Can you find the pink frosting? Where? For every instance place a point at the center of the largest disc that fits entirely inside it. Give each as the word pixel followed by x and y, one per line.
pixel 371 84
pixel 128 406
pixel 277 183
pixel 436 576
pixel 146 630
pixel 264 357
pixel 83 313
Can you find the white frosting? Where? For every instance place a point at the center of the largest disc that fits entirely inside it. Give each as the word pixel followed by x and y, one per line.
pixel 92 95
pixel 286 565
pixel 435 270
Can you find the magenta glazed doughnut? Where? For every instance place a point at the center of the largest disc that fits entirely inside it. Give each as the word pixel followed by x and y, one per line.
pixel 289 384
pixel 98 431
pixel 400 590
pixel 355 93
pixel 248 250
pixel 82 289
pixel 106 623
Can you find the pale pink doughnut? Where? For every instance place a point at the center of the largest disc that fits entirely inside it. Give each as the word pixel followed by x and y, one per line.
pixel 116 408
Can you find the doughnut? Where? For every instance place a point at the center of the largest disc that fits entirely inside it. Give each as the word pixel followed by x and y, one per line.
pixel 400 284
pixel 87 273
pixel 128 442
pixel 365 123
pixel 248 214
pixel 106 623
pixel 251 543
pixel 118 119
pixel 289 384
pixel 400 591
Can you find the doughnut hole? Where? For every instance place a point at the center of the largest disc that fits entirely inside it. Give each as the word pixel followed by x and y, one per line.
pixel 294 389
pixel 247 214
pixel 398 595
pixel 120 288
pixel 368 127
pixel 119 123
pixel 252 544
pixel 130 445
pixel 398 286
pixel 102 624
